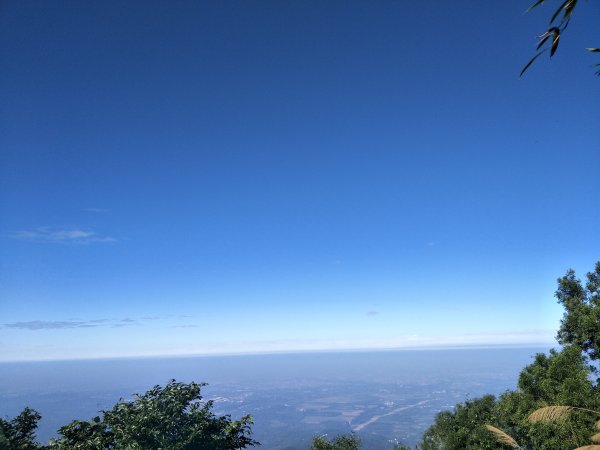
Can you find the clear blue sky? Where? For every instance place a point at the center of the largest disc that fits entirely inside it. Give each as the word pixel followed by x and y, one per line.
pixel 215 177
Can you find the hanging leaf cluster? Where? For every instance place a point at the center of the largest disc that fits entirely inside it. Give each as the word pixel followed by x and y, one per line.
pixel 550 39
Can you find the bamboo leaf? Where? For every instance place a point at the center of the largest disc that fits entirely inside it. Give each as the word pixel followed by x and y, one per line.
pixel 531 62
pixel 539 2
pixel 543 38
pixel 560 8
pixel 554 46
pixel 569 9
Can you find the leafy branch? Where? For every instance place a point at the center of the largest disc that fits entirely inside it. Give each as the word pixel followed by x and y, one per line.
pixel 554 413
pixel 550 39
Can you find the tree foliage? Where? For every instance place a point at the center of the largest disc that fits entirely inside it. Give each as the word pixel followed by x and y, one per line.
pixel 343 442
pixel 463 428
pixel 580 324
pixel 171 417
pixel 19 433
pixel 558 378
pixel 550 39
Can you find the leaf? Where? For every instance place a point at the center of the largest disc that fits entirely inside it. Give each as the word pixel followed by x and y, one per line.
pixel 560 8
pixel 569 9
pixel 539 2
pixel 554 47
pixel 531 62
pixel 543 38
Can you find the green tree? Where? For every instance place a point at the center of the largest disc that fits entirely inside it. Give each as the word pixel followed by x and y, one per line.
pixel 580 324
pixel 344 442
pixel 172 417
pixel 463 428
pixel 558 378
pixel 19 433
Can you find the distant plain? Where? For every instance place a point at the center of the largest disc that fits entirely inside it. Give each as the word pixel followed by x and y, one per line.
pixel 383 396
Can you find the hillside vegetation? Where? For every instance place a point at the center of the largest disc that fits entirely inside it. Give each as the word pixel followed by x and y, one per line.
pixel 565 377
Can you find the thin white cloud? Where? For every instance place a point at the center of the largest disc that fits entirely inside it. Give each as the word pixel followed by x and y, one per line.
pixel 35 325
pixel 62 236
pixel 96 210
pixel 50 324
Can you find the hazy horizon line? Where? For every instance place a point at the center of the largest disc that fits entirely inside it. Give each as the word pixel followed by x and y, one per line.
pixel 532 345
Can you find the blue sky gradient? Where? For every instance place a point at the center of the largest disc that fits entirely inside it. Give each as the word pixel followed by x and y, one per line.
pixel 222 177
